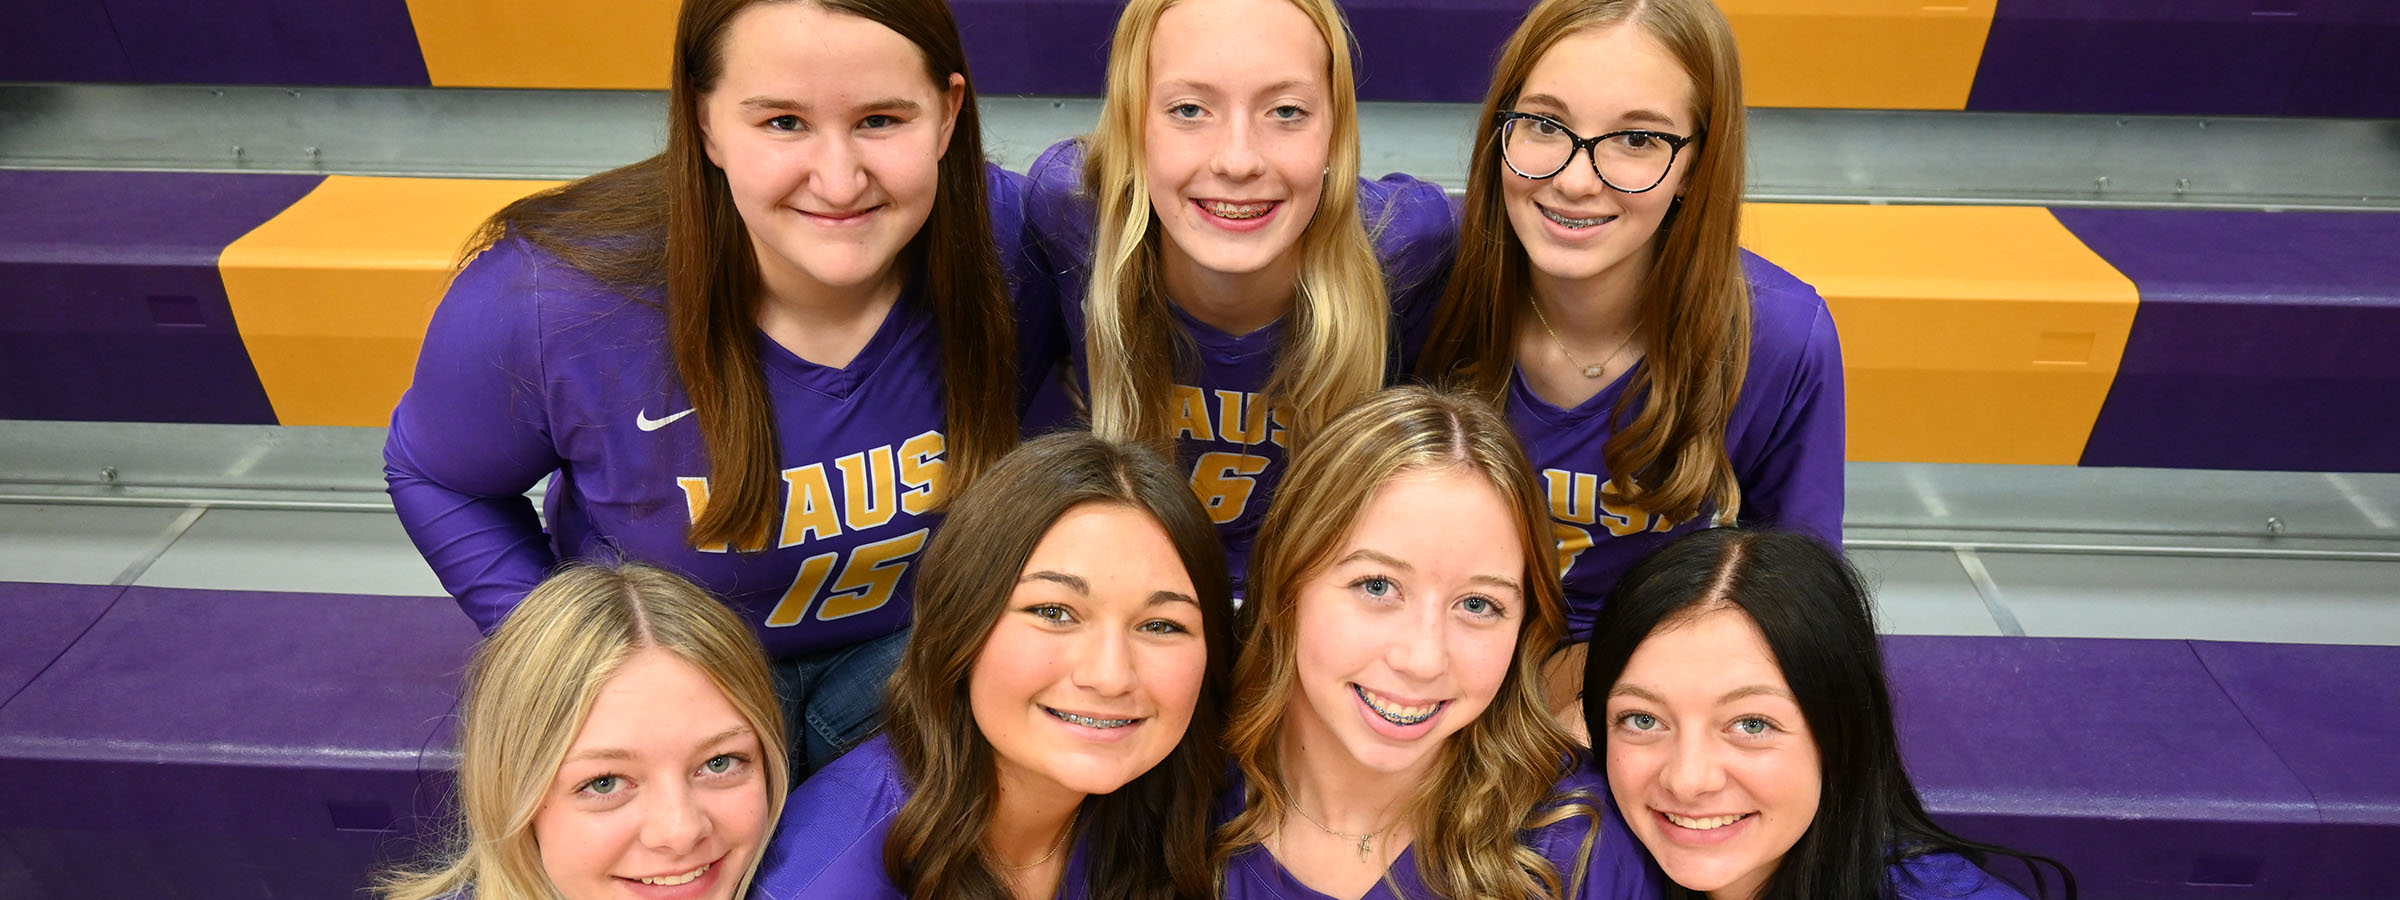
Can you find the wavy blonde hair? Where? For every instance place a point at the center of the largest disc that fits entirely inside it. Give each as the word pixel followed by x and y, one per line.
pixel 1498 776
pixel 1337 342
pixel 1671 459
pixel 530 687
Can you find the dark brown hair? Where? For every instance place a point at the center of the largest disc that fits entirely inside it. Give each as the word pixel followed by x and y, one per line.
pixel 667 226
pixel 1671 459
pixel 1151 836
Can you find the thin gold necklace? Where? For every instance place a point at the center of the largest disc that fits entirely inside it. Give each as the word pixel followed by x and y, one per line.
pixel 1366 842
pixel 1062 841
pixel 1594 371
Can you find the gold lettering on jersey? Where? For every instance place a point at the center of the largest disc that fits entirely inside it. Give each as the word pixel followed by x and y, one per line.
pixel 808 508
pixel 868 498
pixel 923 472
pixel 1576 499
pixel 1191 414
pixel 695 503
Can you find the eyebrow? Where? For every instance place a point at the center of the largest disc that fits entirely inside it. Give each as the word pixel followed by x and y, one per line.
pixel 621 753
pixel 887 104
pixel 1078 585
pixel 1375 556
pixel 1637 116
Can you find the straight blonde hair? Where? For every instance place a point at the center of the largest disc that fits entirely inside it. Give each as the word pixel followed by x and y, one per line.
pixel 530 687
pixel 1498 776
pixel 1671 459
pixel 1337 343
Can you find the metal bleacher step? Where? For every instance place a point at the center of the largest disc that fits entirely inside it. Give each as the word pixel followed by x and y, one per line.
pixel 1798 155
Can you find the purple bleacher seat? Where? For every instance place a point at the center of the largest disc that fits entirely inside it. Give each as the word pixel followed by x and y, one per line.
pixel 2332 714
pixel 43 620
pixel 60 40
pixel 226 744
pixel 2191 57
pixel 2120 758
pixel 2263 340
pixel 111 305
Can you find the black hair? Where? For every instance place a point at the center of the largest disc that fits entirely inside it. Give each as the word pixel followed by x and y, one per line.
pixel 1812 608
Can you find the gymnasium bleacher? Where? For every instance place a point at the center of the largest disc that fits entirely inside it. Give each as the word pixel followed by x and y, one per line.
pixel 2118 285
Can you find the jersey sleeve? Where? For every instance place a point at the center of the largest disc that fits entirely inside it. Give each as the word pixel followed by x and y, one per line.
pixel 1414 225
pixel 473 434
pixel 1798 481
pixel 1032 285
pixel 1620 869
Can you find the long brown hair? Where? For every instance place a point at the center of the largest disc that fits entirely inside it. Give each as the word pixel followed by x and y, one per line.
pixel 1151 836
pixel 1337 343
pixel 532 685
pixel 610 226
pixel 1497 777
pixel 1670 460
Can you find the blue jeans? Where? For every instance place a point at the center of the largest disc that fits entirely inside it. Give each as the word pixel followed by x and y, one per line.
pixel 833 700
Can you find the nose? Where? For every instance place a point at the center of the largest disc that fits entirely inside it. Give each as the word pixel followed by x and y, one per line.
pixel 673 821
pixel 1103 664
pixel 1417 650
pixel 1692 769
pixel 839 175
pixel 1237 155
pixel 1581 177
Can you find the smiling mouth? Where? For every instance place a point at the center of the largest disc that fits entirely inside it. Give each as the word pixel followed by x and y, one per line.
pixel 840 216
pixel 1710 823
pixel 1235 211
pixel 1395 713
pixel 1573 223
pixel 1088 721
pixel 671 880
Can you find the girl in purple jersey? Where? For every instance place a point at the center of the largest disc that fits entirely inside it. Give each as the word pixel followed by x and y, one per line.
pixel 620 737
pixel 1661 379
pixel 1064 687
pixel 1389 723
pixel 1738 695
pixel 761 359
pixel 1228 281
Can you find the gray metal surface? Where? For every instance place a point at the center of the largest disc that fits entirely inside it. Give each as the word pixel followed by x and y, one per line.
pixel 1863 156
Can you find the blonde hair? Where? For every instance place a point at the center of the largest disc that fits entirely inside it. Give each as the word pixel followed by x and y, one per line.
pixel 530 687
pixel 1338 338
pixel 1498 776
pixel 1671 459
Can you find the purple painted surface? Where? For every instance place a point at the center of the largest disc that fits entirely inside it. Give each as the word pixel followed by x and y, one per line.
pixel 308 42
pixel 2352 71
pixel 2120 758
pixel 2330 713
pixel 111 306
pixel 60 40
pixel 2263 340
pixel 1423 50
pixel 42 621
pixel 228 744
pixel 2192 57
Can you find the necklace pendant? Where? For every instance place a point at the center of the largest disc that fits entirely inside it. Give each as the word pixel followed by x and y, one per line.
pixel 1365 849
pixel 1592 371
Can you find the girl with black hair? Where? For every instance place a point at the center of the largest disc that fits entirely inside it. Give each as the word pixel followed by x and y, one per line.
pixel 1737 694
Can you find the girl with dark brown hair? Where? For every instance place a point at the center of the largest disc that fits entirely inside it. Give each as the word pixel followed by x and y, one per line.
pixel 762 358
pixel 1054 727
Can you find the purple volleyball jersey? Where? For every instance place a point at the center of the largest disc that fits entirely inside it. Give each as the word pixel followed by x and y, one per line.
pixel 1786 439
pixel 1948 876
pixel 1618 868
pixel 830 841
pixel 531 367
pixel 1232 442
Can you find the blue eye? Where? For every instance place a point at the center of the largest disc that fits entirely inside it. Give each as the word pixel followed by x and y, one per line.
pixel 1638 721
pixel 1752 726
pixel 1376 587
pixel 1289 112
pixel 1481 606
pixel 719 765
pixel 1184 111
pixel 602 786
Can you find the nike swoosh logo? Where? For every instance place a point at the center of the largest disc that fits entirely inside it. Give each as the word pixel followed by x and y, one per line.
pixel 642 420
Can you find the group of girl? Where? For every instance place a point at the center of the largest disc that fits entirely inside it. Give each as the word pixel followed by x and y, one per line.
pixel 789 357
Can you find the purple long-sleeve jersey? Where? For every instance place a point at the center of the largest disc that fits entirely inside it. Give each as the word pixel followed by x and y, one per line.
pixel 1948 876
pixel 1232 442
pixel 1786 438
pixel 830 841
pixel 531 367
pixel 1617 869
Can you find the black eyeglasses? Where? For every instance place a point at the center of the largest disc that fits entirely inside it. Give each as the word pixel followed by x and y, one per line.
pixel 1536 146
